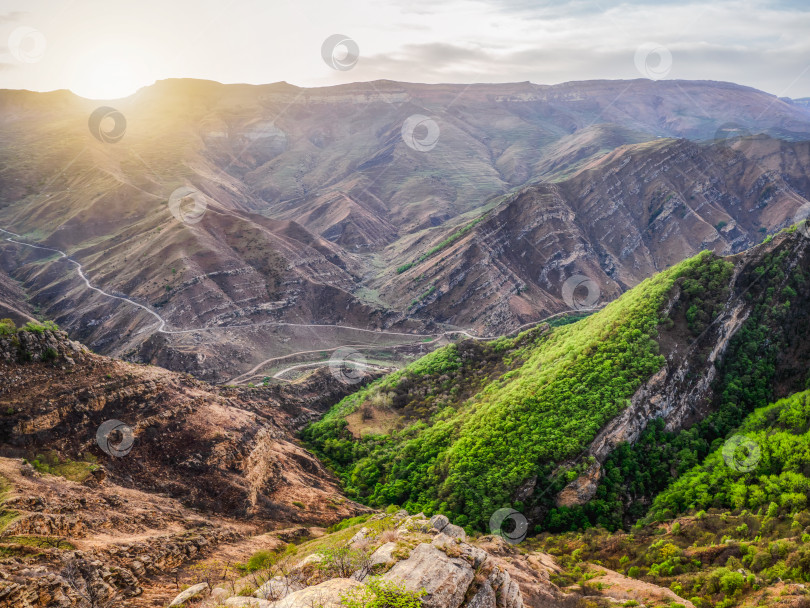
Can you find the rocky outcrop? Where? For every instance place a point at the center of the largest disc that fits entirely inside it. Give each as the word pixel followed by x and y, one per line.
pixel 679 393
pixel 445 579
pixel 443 525
pixel 40 344
pixel 221 449
pixel 383 554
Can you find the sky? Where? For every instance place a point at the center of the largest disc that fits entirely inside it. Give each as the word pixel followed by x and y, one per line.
pixel 104 49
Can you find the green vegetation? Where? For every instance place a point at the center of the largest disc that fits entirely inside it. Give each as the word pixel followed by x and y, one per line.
pixel 750 532
pixel 38 328
pixel 547 396
pixel 54 542
pixel 568 319
pixel 779 483
pixel 347 523
pixel 7 327
pixel 445 243
pixel 6 515
pixel 379 593
pixel 634 474
pixel 73 470
pixel 264 560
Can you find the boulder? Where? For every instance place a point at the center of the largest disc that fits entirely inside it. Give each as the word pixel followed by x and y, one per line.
pixel 277 588
pixel 507 590
pixel 483 598
pixel 189 593
pixel 361 535
pixel 315 558
pixel 439 522
pixel 383 554
pixel 326 595
pixel 442 524
pixel 455 532
pixel 473 555
pixel 445 579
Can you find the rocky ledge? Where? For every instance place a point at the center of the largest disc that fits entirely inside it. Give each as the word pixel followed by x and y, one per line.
pixel 427 562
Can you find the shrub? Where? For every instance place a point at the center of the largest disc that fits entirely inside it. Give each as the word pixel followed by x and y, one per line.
pixel 39 328
pixel 7 327
pixel 730 582
pixel 379 593
pixel 261 560
pixel 344 561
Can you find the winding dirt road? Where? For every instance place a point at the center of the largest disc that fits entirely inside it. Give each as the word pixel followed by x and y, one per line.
pixel 162 323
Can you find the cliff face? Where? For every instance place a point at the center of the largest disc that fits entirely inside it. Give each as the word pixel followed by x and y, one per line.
pixel 683 391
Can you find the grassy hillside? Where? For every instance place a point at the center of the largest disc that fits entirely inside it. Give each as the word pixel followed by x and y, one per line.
pixel 721 535
pixel 454 441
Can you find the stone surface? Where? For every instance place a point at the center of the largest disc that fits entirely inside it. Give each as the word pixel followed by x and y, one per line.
pixel 483 598
pixel 277 588
pixel 445 579
pixel 361 535
pixel 325 595
pixel 473 555
pixel 439 522
pixel 315 558
pixel 247 602
pixel 506 590
pixel 383 554
pixel 193 591
pixel 455 532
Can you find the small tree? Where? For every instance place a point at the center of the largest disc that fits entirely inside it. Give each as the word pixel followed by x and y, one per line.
pixel 344 561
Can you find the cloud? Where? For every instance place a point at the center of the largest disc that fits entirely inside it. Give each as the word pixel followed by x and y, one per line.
pixel 758 43
pixel 12 17
pixel 743 41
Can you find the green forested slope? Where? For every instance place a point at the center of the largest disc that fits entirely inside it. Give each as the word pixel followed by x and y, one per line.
pixel 547 397
pixel 767 354
pixel 772 465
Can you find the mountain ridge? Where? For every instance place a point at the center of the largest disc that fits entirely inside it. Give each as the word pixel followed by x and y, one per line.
pixel 312 208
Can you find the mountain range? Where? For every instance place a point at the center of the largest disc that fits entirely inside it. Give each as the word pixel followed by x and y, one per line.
pixel 315 209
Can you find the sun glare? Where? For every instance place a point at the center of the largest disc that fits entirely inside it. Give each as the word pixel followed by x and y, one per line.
pixel 110 75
